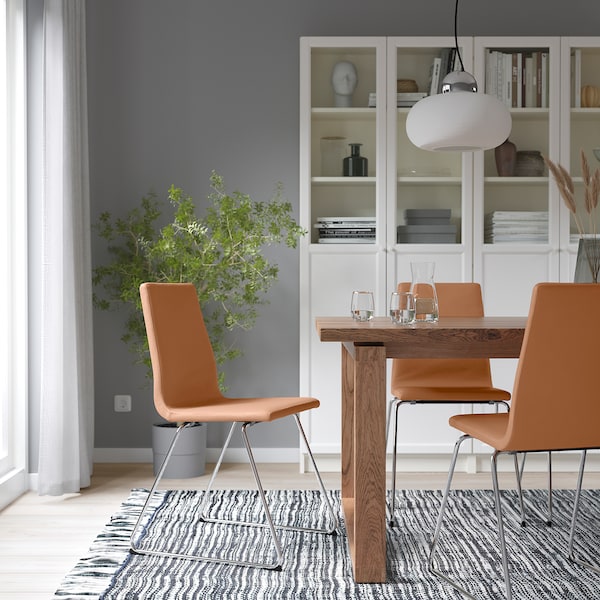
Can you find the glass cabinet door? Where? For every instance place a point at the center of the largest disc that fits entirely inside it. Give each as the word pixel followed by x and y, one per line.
pixel 342 127
pixel 580 133
pixel 516 209
pixel 429 193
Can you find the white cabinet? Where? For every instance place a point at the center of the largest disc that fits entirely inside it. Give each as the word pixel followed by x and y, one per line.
pixel 402 177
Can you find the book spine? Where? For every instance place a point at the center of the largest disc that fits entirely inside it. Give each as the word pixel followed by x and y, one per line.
pixel 538 88
pixel 444 56
pixel 545 79
pixel 435 76
pixel 530 79
pixel 508 79
pixel 576 75
pixel 492 68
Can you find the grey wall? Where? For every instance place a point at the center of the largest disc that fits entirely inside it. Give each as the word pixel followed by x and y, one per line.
pixel 180 87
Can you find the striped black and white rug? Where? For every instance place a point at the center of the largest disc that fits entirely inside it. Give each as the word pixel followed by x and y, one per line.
pixel 317 567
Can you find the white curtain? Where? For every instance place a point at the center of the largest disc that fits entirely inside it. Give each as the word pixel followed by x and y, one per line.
pixel 66 405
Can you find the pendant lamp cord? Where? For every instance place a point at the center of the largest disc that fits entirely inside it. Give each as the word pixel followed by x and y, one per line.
pixel 462 66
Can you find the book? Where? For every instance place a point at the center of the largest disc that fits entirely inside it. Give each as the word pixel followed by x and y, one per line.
pixel 434 78
pixel 530 79
pixel 545 80
pixel 402 98
pixel 576 78
pixel 444 58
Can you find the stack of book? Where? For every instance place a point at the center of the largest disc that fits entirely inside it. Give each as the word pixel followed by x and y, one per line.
pixel 346 230
pixel 519 79
pixel 427 226
pixel 403 99
pixel 516 226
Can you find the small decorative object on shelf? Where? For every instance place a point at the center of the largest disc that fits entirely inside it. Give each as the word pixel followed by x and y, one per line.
pixel 590 96
pixel 356 165
pixel 506 159
pixel 344 79
pixel 406 85
pixel 332 155
pixel 529 163
pixel 588 240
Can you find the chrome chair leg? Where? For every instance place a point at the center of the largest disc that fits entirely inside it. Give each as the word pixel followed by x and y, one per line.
pixel 440 519
pixel 396 404
pixel 498 502
pixel 436 536
pixel 324 494
pixel 547 518
pixel 276 565
pixel 571 550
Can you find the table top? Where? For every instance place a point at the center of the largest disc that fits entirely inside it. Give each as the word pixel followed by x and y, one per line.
pixel 450 337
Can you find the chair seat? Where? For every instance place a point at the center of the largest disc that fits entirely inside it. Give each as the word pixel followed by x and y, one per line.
pixel 451 394
pixel 240 409
pixel 489 428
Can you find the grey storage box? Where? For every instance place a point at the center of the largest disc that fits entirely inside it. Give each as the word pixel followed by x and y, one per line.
pixel 426 234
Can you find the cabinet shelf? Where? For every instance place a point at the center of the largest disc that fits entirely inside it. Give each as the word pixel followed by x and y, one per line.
pixel 516 180
pixel 430 180
pixel 529 114
pixel 354 181
pixel 582 114
pixel 343 114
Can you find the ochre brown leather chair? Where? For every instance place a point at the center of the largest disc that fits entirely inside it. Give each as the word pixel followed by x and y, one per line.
pixel 554 403
pixel 442 381
pixel 186 391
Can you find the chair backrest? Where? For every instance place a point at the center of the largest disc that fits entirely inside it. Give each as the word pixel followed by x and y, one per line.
pixel 455 300
pixel 556 395
pixel 183 363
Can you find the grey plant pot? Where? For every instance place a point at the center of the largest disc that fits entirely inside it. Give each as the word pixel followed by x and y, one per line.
pixel 188 458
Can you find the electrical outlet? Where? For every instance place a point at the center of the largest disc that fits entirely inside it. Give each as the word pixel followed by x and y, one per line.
pixel 122 403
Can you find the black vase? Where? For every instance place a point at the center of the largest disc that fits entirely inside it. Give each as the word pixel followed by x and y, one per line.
pixel 356 165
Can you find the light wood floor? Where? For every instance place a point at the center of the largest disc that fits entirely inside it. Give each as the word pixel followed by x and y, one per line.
pixel 42 537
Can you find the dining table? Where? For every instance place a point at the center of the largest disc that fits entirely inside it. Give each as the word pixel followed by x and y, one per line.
pixel 365 347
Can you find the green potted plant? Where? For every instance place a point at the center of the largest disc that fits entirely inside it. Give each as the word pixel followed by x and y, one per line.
pixel 221 253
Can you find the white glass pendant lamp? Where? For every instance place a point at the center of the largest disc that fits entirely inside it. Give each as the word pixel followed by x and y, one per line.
pixel 460 119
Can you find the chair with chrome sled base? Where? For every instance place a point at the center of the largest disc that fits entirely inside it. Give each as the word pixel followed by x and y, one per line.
pixel 555 400
pixel 442 381
pixel 186 391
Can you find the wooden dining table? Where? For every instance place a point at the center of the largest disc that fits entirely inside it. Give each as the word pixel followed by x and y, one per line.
pixel 366 346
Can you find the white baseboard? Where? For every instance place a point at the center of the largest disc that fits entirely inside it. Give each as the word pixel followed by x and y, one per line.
pixel 12 485
pixel 330 462
pixel 233 455
pixel 537 462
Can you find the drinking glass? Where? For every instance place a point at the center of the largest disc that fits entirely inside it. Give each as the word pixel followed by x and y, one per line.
pixel 402 308
pixel 363 306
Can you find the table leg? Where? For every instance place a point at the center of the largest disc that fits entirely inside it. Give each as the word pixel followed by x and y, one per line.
pixel 363 460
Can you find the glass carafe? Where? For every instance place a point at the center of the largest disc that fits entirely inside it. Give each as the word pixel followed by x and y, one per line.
pixel 423 291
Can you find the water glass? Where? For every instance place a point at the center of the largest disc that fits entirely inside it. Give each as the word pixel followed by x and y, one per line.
pixel 402 308
pixel 363 306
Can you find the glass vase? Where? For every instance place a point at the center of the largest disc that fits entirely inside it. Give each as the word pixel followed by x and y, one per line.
pixel 356 165
pixel 424 293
